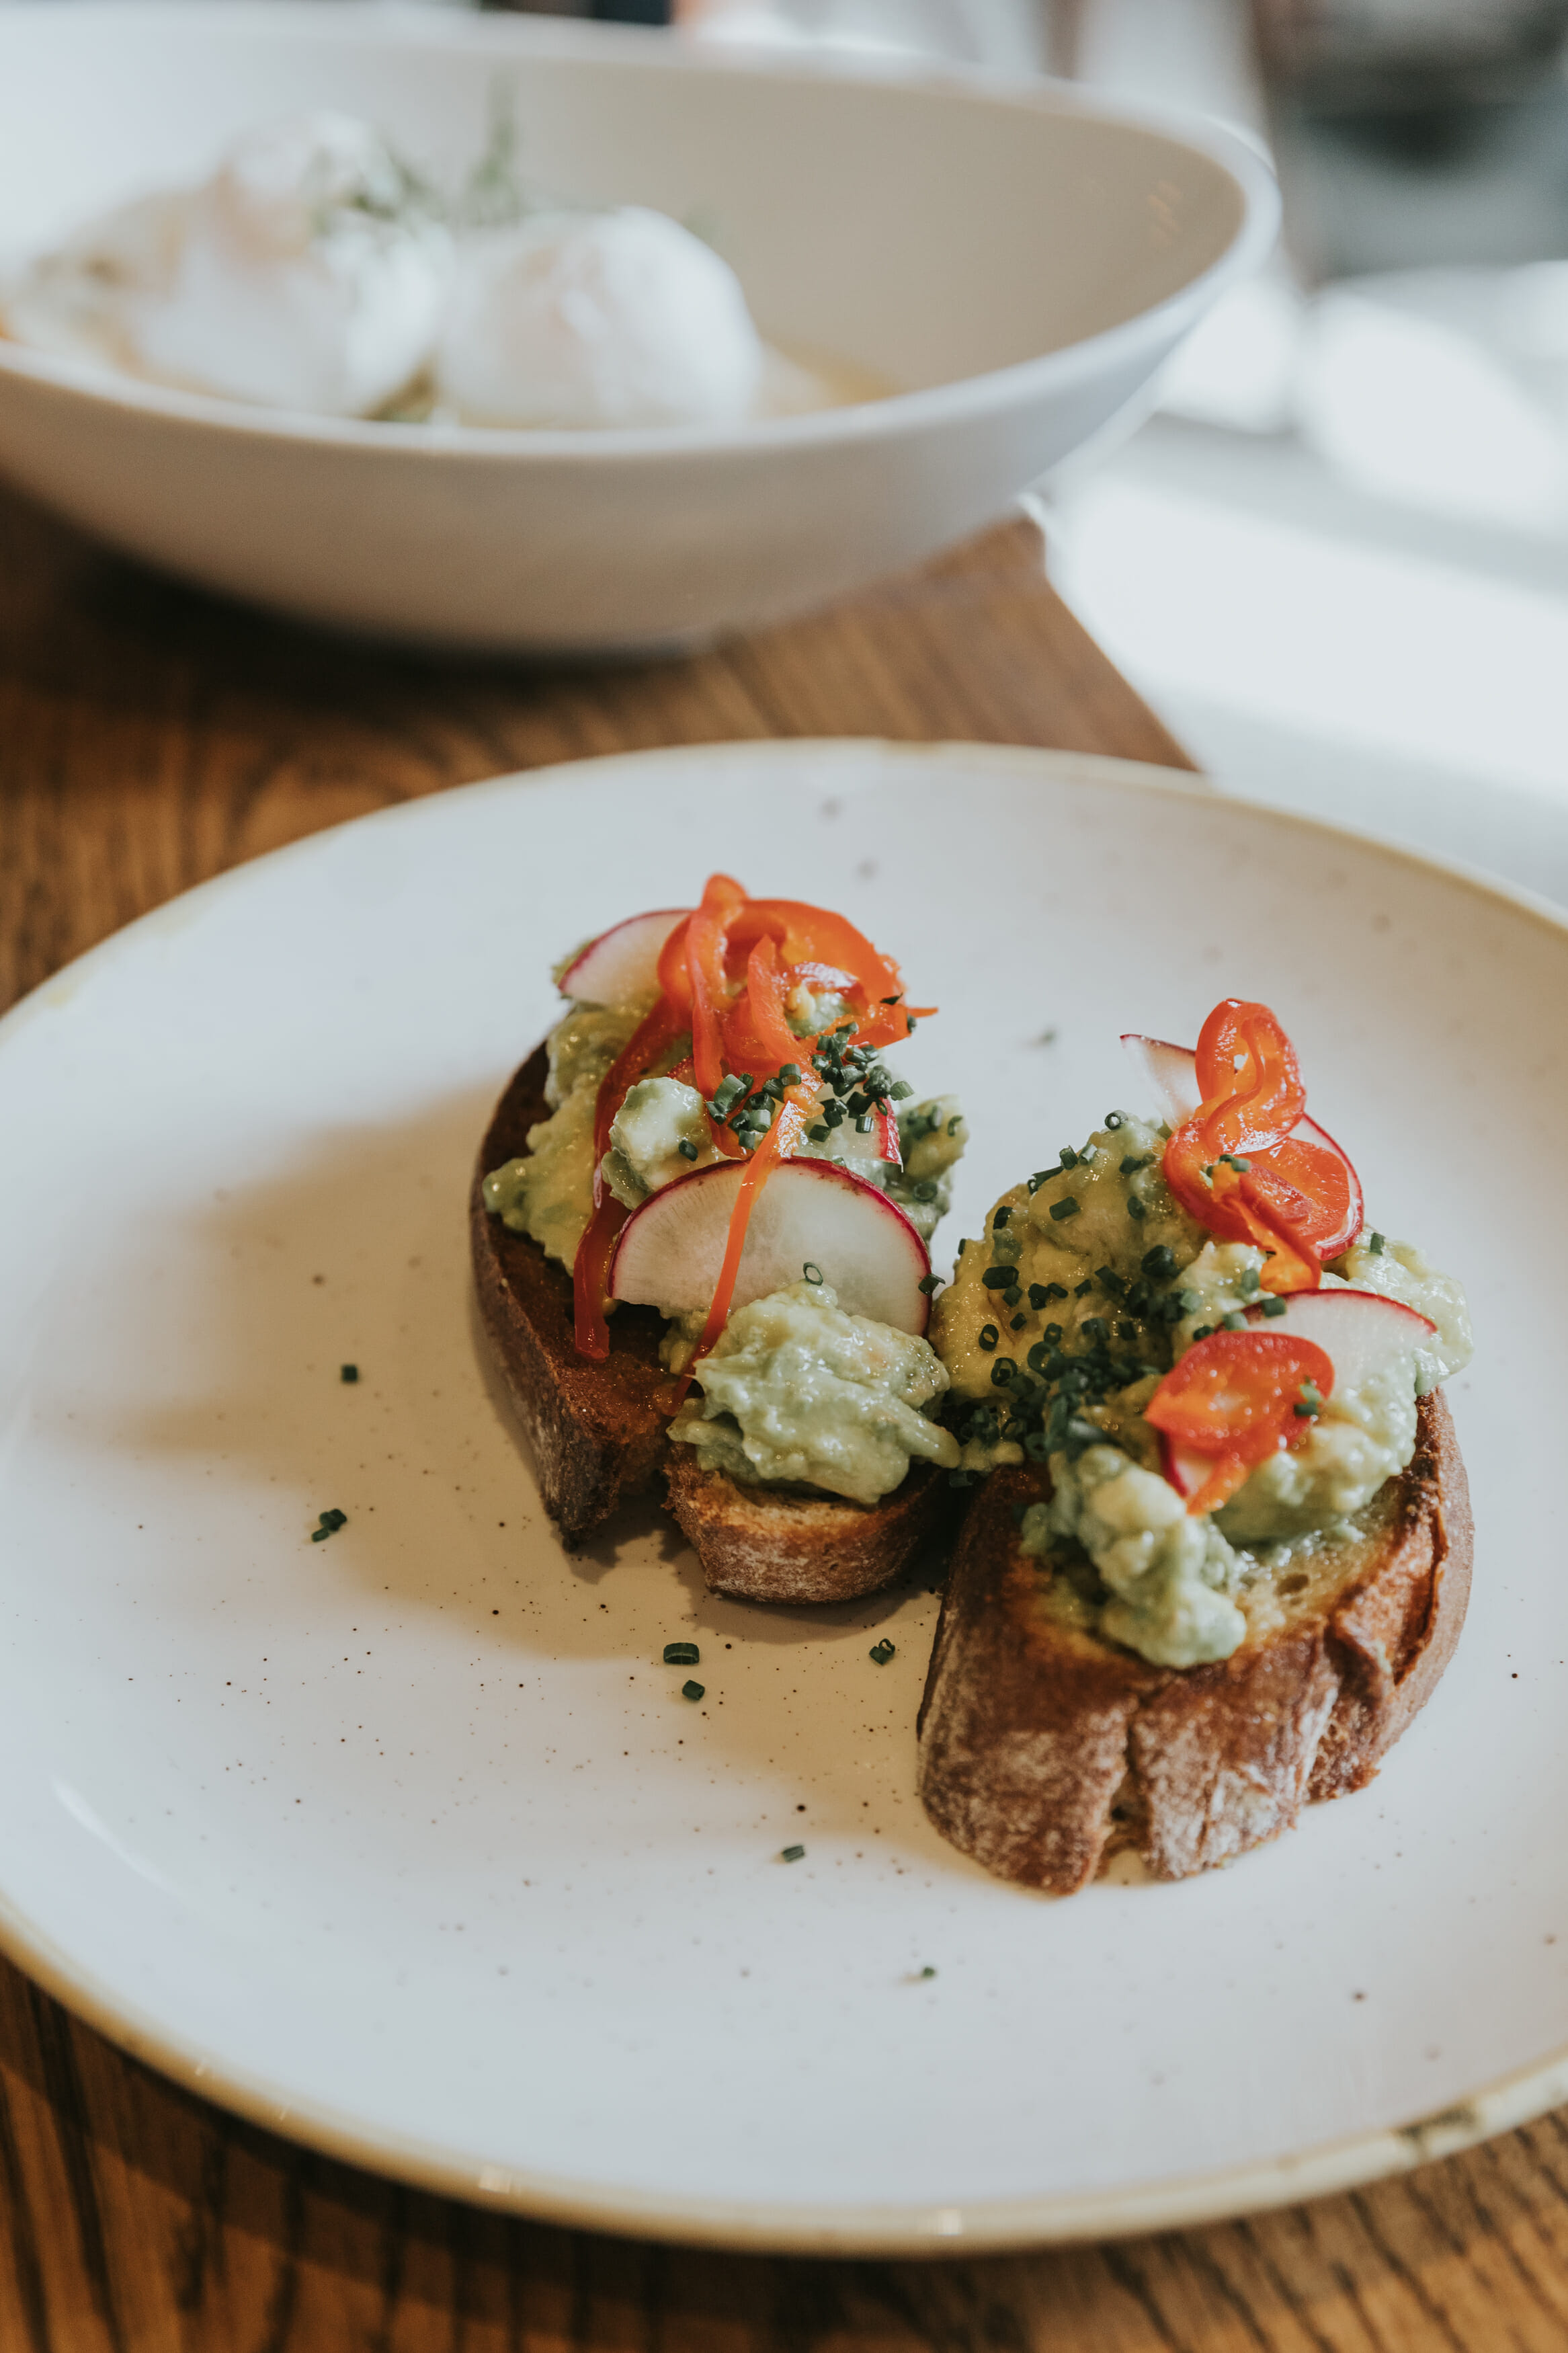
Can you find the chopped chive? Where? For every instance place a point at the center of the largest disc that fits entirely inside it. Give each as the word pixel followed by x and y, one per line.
pixel 789 1074
pixel 691 1691
pixel 988 1335
pixel 1204 1331
pixel 1272 1306
pixel 1082 1290
pixel 1113 1120
pixel 1233 1323
pixel 1053 1331
pixel 1011 1296
pixel 955 1123
pixel 1000 1220
pixel 1135 1161
pixel 349 1373
pixel 791 1853
pixel 1000 1278
pixel 320 1535
pixel 928 1283
pixel 1017 1324
pixel 1001 1372
pixel 820 1131
pixel 812 1272
pixel 1377 1245
pixel 1068 1157
pixel 1056 1291
pixel 1136 1210
pixel 687 1151
pixel 881 1652
pixel 1065 1207
pixel 1159 1263
pixel 681 1654
pixel 928 1971
pixel 865 1124
pixel 902 1090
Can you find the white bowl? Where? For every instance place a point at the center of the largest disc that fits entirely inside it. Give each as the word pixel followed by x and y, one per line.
pixel 1017 260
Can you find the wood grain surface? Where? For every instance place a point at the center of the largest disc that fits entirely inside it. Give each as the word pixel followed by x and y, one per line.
pixel 149 737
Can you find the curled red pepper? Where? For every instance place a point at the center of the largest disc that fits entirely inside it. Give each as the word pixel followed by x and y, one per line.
pixel 1235 1166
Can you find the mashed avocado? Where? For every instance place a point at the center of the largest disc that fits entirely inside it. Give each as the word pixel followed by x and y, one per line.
pixel 796 1391
pixel 657 1117
pixel 549 1193
pixel 1057 1329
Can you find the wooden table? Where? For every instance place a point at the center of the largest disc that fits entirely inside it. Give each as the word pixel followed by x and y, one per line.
pixel 149 737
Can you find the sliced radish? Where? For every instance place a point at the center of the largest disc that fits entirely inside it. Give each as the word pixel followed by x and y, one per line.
pixel 1171 1072
pixel 1361 1332
pixel 622 964
pixel 809 1213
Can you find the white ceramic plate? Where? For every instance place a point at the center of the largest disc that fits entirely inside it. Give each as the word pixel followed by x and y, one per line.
pixel 407 1843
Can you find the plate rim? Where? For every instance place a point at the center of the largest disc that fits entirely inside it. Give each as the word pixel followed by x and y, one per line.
pixel 984 2225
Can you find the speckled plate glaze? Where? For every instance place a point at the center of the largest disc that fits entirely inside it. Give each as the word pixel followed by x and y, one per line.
pixel 407 1843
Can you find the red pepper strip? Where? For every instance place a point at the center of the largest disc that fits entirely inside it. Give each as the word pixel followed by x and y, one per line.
pixel 591 1269
pixel 757 1035
pixel 887 1134
pixel 707 938
pixel 1233 1398
pixel 648 1044
pixel 777 1145
pixel 1252 1098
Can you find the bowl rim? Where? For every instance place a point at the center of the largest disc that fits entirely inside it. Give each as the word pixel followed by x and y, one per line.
pixel 402 24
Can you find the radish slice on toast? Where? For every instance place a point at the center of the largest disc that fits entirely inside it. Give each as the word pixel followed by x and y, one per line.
pixel 622 965
pixel 809 1213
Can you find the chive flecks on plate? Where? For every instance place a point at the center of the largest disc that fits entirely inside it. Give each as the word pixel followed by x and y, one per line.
pixel 928 1971
pixel 881 1652
pixel 331 1522
pixel 349 1373
pixel 692 1691
pixel 812 1272
pixel 791 1853
pixel 681 1654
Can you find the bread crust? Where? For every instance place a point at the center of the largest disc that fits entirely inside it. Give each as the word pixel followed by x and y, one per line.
pixel 762 1546
pixel 1044 1751
pixel 599 1437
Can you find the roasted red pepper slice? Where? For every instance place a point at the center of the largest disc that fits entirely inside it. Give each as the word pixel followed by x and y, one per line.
pixel 1233 1400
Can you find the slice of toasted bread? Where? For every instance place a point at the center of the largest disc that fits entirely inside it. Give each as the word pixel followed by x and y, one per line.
pixel 598 1435
pixel 1044 1750
pixel 764 1545
pixel 595 1429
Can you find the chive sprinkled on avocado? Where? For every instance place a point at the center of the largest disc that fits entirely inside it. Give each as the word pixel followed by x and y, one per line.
pixel 1065 1207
